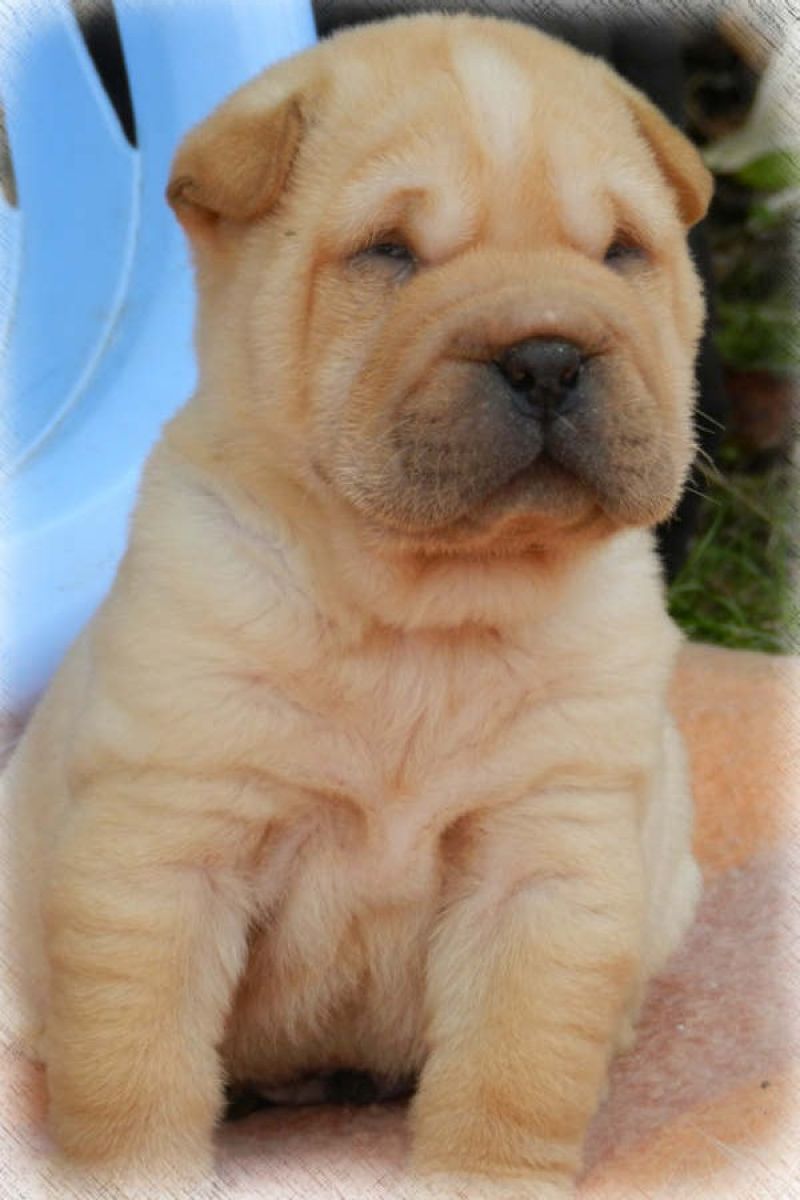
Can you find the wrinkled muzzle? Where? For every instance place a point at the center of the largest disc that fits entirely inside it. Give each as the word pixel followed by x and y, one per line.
pixel 542 392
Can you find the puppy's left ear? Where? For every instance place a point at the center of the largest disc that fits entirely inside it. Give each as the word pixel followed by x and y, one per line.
pixel 235 164
pixel 679 160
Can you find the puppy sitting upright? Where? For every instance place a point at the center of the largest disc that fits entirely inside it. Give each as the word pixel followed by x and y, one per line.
pixel 365 763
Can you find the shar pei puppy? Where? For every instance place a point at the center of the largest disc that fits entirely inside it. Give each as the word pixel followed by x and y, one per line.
pixel 365 764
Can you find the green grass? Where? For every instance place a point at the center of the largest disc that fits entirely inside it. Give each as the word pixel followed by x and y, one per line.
pixel 738 587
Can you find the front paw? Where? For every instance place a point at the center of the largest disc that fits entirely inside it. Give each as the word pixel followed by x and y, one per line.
pixel 479 1152
pixel 116 1104
pixel 123 1138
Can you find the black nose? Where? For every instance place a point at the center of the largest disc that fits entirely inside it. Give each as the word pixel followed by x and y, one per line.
pixel 543 374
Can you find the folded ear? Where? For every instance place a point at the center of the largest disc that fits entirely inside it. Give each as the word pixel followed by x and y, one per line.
pixel 234 165
pixel 677 157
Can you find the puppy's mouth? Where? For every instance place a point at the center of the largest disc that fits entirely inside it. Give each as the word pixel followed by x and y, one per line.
pixel 545 485
pixel 542 498
pixel 531 505
pixel 549 440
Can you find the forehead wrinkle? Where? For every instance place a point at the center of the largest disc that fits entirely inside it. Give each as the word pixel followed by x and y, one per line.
pixel 584 210
pixel 616 194
pixel 499 94
pixel 430 183
pixel 643 203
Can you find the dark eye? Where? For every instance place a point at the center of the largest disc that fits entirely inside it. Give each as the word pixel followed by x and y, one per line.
pixel 396 251
pixel 391 253
pixel 622 253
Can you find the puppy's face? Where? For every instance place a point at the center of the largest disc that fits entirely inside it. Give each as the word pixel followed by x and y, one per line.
pixel 444 277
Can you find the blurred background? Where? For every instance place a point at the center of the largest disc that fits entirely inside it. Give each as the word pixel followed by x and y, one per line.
pixel 739 583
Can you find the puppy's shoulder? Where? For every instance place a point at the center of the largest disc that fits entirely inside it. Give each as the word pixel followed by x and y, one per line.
pixel 612 616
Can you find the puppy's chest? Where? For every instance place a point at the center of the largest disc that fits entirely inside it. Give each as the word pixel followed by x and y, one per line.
pixel 390 728
pixel 383 752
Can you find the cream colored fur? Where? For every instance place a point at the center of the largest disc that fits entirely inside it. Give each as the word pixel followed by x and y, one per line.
pixel 315 790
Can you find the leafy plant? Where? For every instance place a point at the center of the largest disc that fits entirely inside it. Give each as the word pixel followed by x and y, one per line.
pixel 739 585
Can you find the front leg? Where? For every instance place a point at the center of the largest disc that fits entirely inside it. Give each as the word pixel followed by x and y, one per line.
pixel 146 919
pixel 531 973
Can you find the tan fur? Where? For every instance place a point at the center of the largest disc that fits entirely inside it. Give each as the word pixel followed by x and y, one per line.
pixel 339 777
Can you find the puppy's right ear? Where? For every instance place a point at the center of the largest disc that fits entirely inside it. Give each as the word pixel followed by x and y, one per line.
pixel 235 164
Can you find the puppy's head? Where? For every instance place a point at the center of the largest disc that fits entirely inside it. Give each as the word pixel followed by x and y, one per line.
pixel 444 283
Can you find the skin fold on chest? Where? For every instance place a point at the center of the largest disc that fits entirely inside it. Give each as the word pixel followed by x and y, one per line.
pixel 352 883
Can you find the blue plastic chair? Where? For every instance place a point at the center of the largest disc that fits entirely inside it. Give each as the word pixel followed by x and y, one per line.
pixel 96 297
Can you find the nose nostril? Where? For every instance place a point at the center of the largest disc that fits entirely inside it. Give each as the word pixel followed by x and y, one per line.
pixel 570 375
pixel 545 370
pixel 517 376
